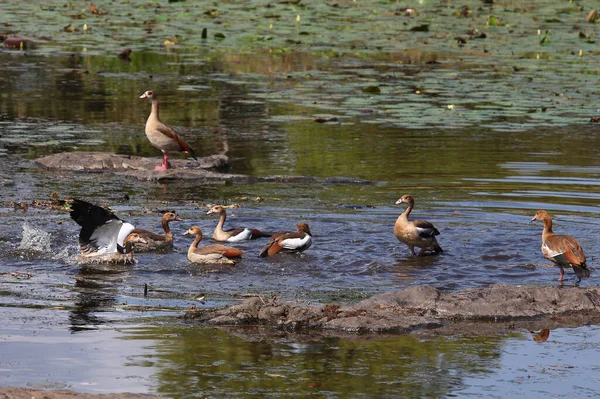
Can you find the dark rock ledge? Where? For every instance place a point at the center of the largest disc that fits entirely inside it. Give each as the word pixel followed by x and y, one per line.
pixel 416 309
pixel 208 169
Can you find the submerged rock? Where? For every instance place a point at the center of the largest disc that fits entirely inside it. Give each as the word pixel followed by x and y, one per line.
pixel 415 309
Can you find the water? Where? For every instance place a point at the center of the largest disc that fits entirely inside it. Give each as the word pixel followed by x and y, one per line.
pixel 481 140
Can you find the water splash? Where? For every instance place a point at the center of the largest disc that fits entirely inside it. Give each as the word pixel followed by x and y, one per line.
pixel 35 240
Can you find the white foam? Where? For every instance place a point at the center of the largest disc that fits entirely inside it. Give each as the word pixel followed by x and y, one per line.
pixel 35 239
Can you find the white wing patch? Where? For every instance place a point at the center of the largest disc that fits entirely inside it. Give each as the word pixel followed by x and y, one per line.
pixel 296 243
pixel 243 236
pixel 550 252
pixel 104 237
pixel 124 231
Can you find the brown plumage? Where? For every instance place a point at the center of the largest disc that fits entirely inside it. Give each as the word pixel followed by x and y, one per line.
pixel 415 233
pixel 232 235
pixel 563 250
pixel 156 242
pixel 163 137
pixel 211 254
pixel 296 241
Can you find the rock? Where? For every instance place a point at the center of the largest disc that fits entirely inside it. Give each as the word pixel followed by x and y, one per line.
pixel 208 169
pixel 420 308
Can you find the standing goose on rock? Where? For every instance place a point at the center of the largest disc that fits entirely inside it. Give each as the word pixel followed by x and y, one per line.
pixel 232 235
pixel 211 254
pixel 562 250
pixel 297 241
pixel 157 242
pixel 104 238
pixel 415 233
pixel 162 136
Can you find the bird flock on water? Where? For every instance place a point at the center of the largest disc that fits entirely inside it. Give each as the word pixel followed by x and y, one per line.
pixel 105 238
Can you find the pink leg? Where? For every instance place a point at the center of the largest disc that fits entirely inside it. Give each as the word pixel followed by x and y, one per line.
pixel 562 273
pixel 165 164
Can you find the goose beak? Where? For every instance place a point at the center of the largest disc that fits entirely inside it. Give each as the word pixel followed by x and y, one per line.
pixel 399 201
pixel 533 219
pixel 177 218
pixel 209 211
pixel 187 233
pixel 144 96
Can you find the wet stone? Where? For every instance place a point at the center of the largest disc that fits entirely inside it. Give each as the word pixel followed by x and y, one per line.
pixel 210 169
pixel 419 308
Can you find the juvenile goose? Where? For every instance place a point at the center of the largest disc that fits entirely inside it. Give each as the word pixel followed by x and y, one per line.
pixel 216 253
pixel 415 233
pixel 104 238
pixel 297 241
pixel 163 137
pixel 156 242
pixel 232 235
pixel 562 250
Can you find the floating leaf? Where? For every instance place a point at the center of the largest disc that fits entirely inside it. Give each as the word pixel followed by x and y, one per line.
pixel 219 35
pixel 325 120
pixel 420 28
pixel 592 16
pixel 493 21
pixel 372 90
pixel 70 28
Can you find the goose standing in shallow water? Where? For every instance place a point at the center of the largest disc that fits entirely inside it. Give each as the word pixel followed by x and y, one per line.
pixel 163 137
pixel 562 250
pixel 297 241
pixel 415 233
pixel 211 254
pixel 232 235
pixel 156 242
pixel 104 238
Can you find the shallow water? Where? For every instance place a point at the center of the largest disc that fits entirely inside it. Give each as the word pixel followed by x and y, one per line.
pixel 481 135
pixel 189 361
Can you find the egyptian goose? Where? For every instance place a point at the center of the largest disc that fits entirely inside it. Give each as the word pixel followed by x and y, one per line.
pixel 104 238
pixel 163 137
pixel 157 242
pixel 232 235
pixel 216 253
pixel 562 250
pixel 415 233
pixel 297 241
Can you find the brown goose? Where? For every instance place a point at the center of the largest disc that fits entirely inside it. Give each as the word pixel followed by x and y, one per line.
pixel 162 136
pixel 415 233
pixel 211 254
pixel 232 235
pixel 562 250
pixel 297 241
pixel 104 238
pixel 153 241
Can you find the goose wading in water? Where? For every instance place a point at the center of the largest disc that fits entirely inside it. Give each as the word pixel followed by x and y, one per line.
pixel 562 250
pixel 153 241
pixel 287 241
pixel 104 238
pixel 211 254
pixel 232 235
pixel 163 137
pixel 415 233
